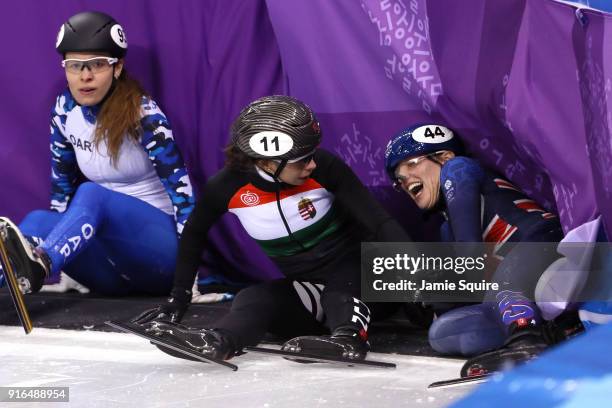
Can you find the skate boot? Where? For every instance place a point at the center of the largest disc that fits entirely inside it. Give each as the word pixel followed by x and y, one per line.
pixel 564 327
pixel 343 343
pixel 31 267
pixel 520 347
pixel 211 343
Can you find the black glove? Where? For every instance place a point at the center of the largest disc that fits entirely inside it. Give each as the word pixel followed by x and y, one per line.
pixel 173 310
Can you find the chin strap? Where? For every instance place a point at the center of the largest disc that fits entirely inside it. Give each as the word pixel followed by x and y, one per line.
pixel 279 170
pixel 277 183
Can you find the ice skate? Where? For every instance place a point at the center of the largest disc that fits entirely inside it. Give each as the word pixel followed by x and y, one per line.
pixel 345 344
pixel 344 347
pixel 208 342
pixel 520 347
pixel 29 267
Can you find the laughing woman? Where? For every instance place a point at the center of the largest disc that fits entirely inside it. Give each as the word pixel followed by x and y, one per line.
pixel 426 162
pixel 116 232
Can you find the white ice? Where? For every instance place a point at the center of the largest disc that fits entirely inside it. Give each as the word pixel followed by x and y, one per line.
pixel 122 370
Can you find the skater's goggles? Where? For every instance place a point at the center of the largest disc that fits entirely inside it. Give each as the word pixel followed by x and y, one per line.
pixel 304 160
pixel 410 164
pixel 94 65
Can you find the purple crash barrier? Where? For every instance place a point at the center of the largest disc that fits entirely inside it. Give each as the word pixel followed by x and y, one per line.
pixel 525 83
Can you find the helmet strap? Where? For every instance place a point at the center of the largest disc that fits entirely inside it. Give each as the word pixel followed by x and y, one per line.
pixel 279 169
pixel 278 183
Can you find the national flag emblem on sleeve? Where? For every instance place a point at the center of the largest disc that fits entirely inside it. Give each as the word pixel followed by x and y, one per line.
pixel 501 183
pixel 528 205
pixel 307 209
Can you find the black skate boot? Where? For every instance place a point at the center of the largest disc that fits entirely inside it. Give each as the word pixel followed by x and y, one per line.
pixel 30 266
pixel 343 343
pixel 211 343
pixel 564 327
pixel 522 346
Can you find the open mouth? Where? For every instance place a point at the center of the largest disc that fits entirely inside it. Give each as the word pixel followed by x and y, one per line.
pixel 87 91
pixel 415 188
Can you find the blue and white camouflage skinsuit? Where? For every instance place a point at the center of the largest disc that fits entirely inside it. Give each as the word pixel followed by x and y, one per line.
pixel 116 233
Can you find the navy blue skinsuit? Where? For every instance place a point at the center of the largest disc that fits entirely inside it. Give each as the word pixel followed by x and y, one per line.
pixel 480 206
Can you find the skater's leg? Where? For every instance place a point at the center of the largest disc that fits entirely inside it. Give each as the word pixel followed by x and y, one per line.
pixel 91 266
pixel 517 276
pixel 466 331
pixel 77 226
pixel 94 268
pixel 274 306
pixel 139 240
pixel 347 317
pixel 513 306
pixel 341 297
pixel 142 243
pixel 37 224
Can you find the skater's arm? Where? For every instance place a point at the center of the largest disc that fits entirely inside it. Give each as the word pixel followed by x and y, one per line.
pixel 158 141
pixel 208 209
pixel 354 197
pixel 64 167
pixel 211 205
pixel 460 180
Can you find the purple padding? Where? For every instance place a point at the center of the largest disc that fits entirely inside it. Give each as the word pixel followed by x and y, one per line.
pixel 504 74
pixel 202 61
pixel 525 83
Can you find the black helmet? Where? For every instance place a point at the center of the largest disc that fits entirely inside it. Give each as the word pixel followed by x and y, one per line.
pixel 94 32
pixel 276 127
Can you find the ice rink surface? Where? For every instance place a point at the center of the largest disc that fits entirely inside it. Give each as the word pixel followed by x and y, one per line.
pixel 121 370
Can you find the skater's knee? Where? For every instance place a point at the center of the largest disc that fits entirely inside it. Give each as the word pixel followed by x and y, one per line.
pixel 336 297
pixel 37 216
pixel 38 223
pixel 262 294
pixel 464 332
pixel 441 339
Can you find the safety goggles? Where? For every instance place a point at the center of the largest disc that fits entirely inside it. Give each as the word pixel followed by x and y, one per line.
pixel 410 164
pixel 307 158
pixel 94 65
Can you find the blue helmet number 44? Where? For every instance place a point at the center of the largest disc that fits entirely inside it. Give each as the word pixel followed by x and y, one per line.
pixel 432 134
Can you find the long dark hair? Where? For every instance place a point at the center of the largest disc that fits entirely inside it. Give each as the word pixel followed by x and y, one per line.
pixel 236 159
pixel 120 115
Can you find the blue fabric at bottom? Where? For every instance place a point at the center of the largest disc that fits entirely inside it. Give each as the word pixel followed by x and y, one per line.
pixel 575 374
